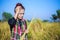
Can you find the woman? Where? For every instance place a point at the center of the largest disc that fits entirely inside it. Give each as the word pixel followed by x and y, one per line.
pixel 17 24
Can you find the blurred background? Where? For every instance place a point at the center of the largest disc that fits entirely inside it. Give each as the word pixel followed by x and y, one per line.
pixel 43 9
pixel 42 16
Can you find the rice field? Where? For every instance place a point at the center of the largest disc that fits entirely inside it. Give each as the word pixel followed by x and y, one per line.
pixel 38 30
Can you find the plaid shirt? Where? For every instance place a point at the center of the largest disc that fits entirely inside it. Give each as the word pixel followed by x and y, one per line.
pixel 18 29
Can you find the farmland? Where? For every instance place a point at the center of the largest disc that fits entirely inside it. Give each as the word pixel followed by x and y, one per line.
pixel 38 30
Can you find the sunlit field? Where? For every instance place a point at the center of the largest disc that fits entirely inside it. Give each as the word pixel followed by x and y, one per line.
pixel 4 31
pixel 38 30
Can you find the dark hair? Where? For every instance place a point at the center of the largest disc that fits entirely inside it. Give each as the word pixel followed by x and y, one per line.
pixel 18 4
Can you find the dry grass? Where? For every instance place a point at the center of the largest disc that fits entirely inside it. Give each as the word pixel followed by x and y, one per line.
pixel 4 31
pixel 38 30
pixel 44 30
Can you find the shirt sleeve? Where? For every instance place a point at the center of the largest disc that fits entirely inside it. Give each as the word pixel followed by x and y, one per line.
pixel 11 23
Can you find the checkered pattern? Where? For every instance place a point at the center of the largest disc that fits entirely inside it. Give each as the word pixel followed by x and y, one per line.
pixel 18 30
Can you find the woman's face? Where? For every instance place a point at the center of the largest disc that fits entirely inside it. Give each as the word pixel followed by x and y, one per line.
pixel 20 12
